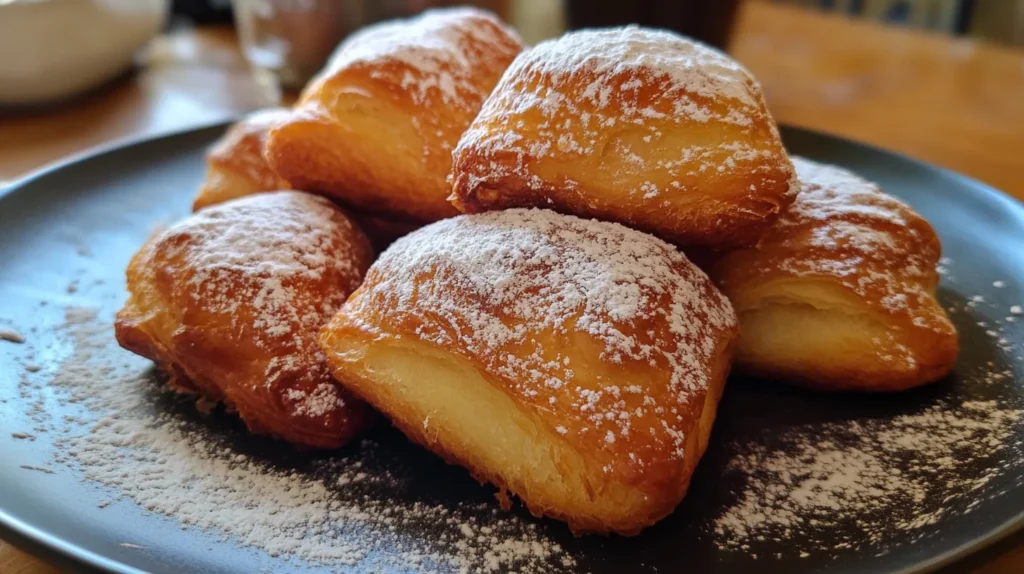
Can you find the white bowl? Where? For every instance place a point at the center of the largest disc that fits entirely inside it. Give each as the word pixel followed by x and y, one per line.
pixel 55 49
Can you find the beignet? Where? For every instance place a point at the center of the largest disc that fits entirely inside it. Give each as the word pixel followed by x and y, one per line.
pixel 575 363
pixel 375 129
pixel 632 125
pixel 840 292
pixel 229 302
pixel 235 166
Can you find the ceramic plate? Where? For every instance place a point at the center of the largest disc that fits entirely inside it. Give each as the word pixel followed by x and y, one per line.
pixel 792 481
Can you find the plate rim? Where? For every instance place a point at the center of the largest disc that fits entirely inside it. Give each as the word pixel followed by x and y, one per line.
pixel 110 147
pixel 53 550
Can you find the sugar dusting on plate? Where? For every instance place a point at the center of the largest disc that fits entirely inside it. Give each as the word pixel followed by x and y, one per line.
pixel 811 491
pixel 856 484
pixel 874 484
pixel 176 468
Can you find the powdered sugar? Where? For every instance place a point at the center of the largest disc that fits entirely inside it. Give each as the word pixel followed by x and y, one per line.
pixel 271 238
pixel 875 482
pixel 857 236
pixel 322 400
pixel 833 191
pixel 533 277
pixel 240 238
pixel 251 253
pixel 266 271
pixel 643 55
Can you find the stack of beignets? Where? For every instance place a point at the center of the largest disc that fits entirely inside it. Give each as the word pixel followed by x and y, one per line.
pixel 376 127
pixel 575 363
pixel 840 293
pixel 631 125
pixel 229 301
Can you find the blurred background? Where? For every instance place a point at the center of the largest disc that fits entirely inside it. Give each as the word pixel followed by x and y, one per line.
pixel 942 80
pixel 996 20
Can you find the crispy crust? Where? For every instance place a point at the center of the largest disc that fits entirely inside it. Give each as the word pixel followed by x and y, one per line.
pixel 840 293
pixel 629 125
pixel 236 168
pixel 577 428
pixel 239 327
pixel 376 128
pixel 235 163
pixel 623 504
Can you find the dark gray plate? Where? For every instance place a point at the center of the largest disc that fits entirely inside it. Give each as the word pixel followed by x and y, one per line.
pixel 108 202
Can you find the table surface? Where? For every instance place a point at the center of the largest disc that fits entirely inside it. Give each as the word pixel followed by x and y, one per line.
pixel 957 103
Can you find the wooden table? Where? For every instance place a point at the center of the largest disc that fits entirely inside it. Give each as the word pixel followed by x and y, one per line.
pixel 190 78
pixel 955 103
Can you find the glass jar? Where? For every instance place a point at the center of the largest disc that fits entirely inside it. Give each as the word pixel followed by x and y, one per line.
pixel 288 41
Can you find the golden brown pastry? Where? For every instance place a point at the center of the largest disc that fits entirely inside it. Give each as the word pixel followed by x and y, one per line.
pixel 235 163
pixel 632 125
pixel 236 168
pixel 574 363
pixel 229 302
pixel 840 292
pixel 375 129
